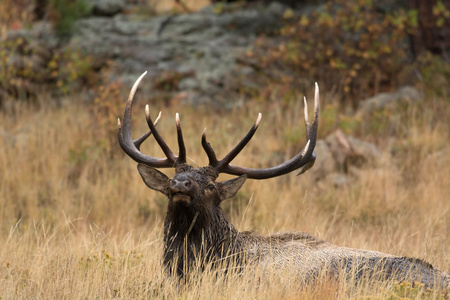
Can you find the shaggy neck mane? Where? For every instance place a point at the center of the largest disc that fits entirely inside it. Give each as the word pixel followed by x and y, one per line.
pixel 191 233
pixel 187 221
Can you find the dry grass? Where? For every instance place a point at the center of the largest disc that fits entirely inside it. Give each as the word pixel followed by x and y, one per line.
pixel 168 5
pixel 77 222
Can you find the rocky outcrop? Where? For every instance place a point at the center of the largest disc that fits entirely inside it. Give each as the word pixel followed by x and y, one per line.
pixel 107 7
pixel 389 101
pixel 340 158
pixel 195 55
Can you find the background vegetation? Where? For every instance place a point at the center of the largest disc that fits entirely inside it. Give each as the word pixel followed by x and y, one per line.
pixel 76 221
pixel 357 48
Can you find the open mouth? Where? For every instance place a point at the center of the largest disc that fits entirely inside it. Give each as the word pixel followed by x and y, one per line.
pixel 181 198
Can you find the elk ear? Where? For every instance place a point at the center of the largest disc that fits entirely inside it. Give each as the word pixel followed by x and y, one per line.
pixel 229 188
pixel 153 178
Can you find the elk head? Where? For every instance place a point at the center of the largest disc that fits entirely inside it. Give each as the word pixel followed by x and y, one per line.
pixel 196 189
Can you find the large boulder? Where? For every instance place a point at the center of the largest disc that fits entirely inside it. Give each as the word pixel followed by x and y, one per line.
pixel 389 101
pixel 339 157
pixel 107 7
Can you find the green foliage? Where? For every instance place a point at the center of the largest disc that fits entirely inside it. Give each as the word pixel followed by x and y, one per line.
pixel 68 67
pixel 15 71
pixel 66 12
pixel 441 13
pixel 435 73
pixel 348 45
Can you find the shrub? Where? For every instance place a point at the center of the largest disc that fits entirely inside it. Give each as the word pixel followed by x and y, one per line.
pixel 348 44
pixel 107 106
pixel 66 12
pixel 29 66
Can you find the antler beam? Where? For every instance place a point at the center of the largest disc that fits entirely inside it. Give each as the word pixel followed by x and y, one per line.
pixel 132 147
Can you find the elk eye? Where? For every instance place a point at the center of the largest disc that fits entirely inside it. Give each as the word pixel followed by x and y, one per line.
pixel 210 187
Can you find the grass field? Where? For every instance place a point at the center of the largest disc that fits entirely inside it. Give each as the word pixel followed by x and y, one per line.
pixel 76 220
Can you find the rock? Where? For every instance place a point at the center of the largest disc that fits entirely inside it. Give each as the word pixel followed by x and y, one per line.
pixel 325 162
pixel 348 151
pixel 409 94
pixel 107 7
pixel 369 152
pixel 206 43
pixel 405 95
pixel 340 157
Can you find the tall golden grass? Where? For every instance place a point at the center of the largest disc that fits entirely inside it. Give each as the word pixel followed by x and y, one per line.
pixel 77 221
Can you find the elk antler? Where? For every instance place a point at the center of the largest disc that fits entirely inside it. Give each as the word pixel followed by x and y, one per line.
pixel 132 147
pixel 303 160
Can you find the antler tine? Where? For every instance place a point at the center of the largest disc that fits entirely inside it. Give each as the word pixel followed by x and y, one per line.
pixel 138 142
pixel 306 117
pixel 236 150
pixel 311 133
pixel 315 123
pixel 303 160
pixel 126 142
pixel 209 150
pixel 164 147
pixel 182 149
pixel 129 108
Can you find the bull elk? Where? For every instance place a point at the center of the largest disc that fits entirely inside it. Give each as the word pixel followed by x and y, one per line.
pixel 196 226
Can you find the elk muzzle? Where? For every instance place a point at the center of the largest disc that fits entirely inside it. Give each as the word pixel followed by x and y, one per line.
pixel 180 186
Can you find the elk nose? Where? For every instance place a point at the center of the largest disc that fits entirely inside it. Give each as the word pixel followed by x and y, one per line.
pixel 180 185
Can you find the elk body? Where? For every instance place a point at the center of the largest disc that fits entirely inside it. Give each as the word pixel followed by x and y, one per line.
pixel 196 227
